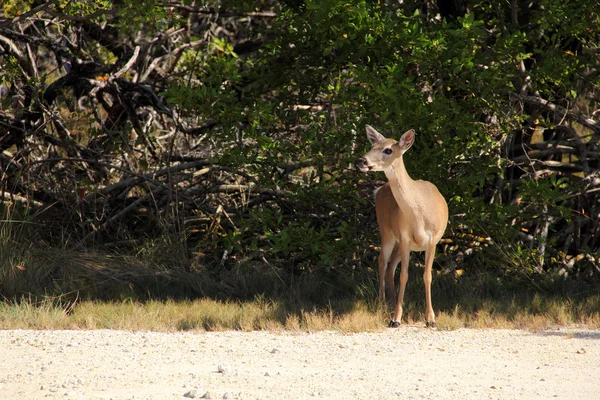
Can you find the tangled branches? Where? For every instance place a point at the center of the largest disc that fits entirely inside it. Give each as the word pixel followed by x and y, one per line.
pixel 85 131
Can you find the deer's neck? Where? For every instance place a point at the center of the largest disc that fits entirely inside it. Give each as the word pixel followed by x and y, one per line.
pixel 402 185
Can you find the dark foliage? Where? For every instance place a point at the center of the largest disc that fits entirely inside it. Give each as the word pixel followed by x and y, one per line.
pixel 234 125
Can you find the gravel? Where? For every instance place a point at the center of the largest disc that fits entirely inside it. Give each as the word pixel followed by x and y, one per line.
pixel 405 363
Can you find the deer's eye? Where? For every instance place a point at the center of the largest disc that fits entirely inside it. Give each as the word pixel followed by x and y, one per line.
pixel 387 151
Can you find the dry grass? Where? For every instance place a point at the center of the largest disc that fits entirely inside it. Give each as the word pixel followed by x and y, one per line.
pixel 59 278
pixel 26 315
pixel 361 320
pixel 539 314
pixel 450 321
pixel 212 315
pixel 202 315
pixel 199 315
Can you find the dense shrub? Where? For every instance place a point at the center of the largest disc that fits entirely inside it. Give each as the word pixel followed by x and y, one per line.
pixel 232 127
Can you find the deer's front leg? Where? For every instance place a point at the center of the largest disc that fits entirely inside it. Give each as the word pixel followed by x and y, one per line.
pixel 390 289
pixel 387 247
pixel 405 259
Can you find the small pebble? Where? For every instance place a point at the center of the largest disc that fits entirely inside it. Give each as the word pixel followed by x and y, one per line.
pixel 224 369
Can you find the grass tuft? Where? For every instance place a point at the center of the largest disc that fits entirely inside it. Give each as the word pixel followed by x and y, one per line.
pixel 215 315
pixel 29 315
pixel 450 321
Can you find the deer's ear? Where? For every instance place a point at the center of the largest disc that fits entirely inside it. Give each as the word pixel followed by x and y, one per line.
pixel 407 140
pixel 373 135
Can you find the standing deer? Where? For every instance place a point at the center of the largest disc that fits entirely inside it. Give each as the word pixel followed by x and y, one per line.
pixel 412 216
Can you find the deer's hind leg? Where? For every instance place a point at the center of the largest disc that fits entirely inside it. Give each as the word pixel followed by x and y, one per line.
pixel 430 315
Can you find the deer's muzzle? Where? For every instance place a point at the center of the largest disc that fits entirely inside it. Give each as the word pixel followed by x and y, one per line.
pixel 362 164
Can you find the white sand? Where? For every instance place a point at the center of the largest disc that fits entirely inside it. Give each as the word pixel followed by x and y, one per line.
pixel 405 363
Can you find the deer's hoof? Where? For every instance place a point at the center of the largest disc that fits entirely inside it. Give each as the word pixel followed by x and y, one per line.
pixel 431 324
pixel 394 324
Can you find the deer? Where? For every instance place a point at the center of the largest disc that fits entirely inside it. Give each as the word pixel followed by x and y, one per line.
pixel 411 214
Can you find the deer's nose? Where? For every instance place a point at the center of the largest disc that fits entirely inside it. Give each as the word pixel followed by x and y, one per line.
pixel 360 163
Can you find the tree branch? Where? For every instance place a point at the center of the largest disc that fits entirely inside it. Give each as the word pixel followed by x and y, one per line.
pixel 25 15
pixel 583 120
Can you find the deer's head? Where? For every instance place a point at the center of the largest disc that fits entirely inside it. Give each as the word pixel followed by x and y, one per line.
pixel 384 150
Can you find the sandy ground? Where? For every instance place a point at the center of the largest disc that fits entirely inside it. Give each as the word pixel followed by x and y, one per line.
pixel 404 363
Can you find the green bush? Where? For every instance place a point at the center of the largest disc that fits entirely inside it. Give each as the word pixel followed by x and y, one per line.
pixel 233 133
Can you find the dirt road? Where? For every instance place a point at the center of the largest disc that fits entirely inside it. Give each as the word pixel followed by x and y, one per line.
pixel 405 363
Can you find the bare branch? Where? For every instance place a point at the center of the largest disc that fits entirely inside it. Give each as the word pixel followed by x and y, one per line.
pixel 545 150
pixel 25 15
pixel 128 65
pixel 210 10
pixel 147 177
pixel 7 197
pixel 176 52
pixel 83 18
pixel 583 120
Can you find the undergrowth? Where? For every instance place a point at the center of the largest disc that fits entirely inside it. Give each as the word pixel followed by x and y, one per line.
pixel 160 285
